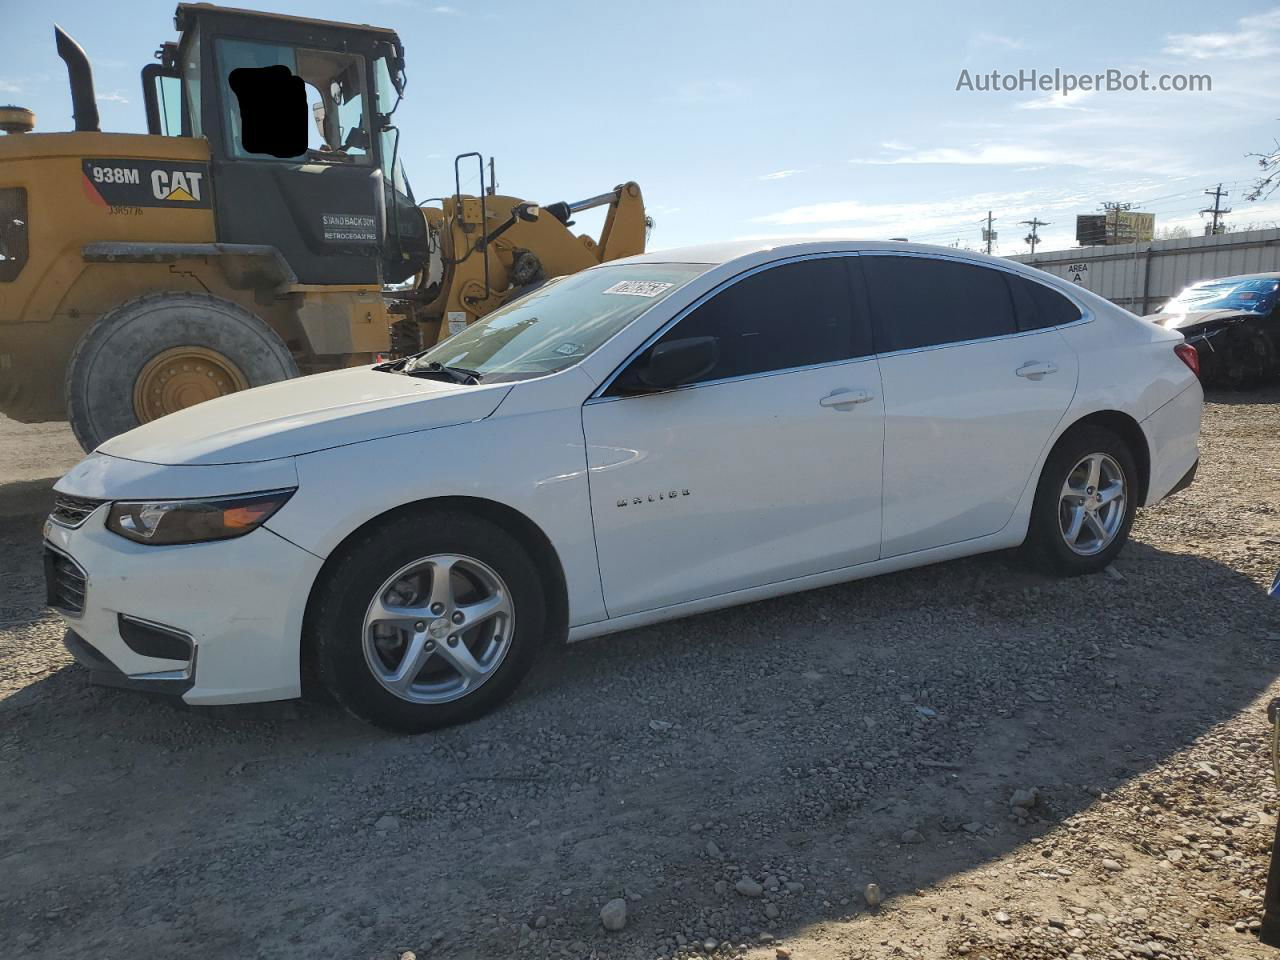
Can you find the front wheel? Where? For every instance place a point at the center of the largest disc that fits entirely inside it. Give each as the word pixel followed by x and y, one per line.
pixel 427 621
pixel 1084 504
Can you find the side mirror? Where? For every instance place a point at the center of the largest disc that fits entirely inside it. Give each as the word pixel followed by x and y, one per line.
pixel 675 362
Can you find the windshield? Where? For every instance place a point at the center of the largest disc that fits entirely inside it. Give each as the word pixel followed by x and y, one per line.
pixel 560 323
pixel 1257 295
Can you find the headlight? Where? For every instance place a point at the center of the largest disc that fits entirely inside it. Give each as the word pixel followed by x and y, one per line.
pixel 193 521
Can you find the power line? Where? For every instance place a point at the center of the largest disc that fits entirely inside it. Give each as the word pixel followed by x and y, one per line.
pixel 1113 210
pixel 1217 226
pixel 1034 223
pixel 988 234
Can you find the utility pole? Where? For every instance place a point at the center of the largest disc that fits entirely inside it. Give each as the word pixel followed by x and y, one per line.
pixel 988 234
pixel 1034 223
pixel 1217 210
pixel 1114 209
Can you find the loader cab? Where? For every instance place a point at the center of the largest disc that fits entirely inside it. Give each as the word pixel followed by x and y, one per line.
pixel 304 151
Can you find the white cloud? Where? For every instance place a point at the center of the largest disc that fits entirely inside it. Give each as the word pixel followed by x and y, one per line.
pixel 447 10
pixel 961 217
pixel 1058 101
pixel 112 97
pixel 779 175
pixel 985 39
pixel 894 145
pixel 920 215
pixel 7 87
pixel 1257 36
pixel 1037 152
pixel 981 154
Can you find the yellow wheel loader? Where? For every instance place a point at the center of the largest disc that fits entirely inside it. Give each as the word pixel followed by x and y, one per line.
pixel 263 227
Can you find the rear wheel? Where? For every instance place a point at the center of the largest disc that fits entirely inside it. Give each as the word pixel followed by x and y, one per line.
pixel 164 352
pixel 426 622
pixel 1084 504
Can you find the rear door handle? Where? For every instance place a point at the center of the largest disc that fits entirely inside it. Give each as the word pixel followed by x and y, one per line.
pixel 1036 370
pixel 845 399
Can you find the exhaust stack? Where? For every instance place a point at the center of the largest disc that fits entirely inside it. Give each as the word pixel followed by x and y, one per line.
pixel 84 105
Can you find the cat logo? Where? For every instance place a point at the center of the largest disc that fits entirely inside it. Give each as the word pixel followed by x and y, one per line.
pixel 181 185
pixel 121 184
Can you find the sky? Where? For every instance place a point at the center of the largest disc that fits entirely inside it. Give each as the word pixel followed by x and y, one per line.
pixel 750 119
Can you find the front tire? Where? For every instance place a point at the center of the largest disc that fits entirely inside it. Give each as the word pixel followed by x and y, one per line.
pixel 427 621
pixel 1084 505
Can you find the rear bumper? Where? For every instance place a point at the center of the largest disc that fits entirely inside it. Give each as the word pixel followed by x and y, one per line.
pixel 1187 479
pixel 1173 443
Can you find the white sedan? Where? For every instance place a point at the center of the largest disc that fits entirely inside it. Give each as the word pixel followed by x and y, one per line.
pixel 648 439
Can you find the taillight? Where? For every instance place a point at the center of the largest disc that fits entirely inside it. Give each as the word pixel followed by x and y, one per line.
pixel 1187 354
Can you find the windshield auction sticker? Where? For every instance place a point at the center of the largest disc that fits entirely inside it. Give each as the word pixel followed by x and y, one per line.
pixel 639 288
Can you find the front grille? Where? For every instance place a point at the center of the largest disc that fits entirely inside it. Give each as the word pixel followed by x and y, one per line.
pixel 71 511
pixel 64 582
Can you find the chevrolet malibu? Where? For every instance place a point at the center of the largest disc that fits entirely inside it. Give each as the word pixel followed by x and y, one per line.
pixel 645 440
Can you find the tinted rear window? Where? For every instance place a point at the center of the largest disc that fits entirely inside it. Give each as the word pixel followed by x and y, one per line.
pixel 1038 306
pixel 921 302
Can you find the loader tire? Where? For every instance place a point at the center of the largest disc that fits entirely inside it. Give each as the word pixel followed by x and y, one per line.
pixel 162 352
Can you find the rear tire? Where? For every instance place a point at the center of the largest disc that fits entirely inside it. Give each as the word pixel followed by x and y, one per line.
pixel 182 347
pixel 365 657
pixel 1071 533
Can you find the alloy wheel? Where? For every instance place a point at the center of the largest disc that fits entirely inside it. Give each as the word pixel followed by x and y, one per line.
pixel 1091 507
pixel 438 628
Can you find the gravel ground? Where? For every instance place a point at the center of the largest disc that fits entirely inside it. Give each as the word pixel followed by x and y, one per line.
pixel 727 784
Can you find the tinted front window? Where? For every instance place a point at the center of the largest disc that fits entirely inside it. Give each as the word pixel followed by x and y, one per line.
pixel 921 302
pixel 1038 306
pixel 793 315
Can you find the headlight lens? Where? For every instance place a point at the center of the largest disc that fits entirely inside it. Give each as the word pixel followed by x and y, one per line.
pixel 160 522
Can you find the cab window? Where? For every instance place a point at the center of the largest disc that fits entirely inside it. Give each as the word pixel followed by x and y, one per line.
pixel 294 104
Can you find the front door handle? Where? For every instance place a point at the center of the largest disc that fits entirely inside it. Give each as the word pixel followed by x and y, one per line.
pixel 845 399
pixel 1036 370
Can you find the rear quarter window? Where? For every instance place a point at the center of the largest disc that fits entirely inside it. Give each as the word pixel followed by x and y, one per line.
pixel 1038 306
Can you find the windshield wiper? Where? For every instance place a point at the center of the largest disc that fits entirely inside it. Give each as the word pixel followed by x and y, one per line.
pixel 434 369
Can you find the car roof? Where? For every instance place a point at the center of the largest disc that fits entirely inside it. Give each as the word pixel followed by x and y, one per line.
pixel 763 249
pixel 1239 276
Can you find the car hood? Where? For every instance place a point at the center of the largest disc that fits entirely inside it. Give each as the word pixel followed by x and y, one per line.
pixel 1192 318
pixel 300 416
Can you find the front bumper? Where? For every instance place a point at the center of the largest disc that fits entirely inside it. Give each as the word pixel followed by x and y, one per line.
pixel 213 623
pixel 174 683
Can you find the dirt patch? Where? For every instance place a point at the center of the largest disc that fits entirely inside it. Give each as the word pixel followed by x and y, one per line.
pixel 736 779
